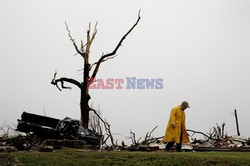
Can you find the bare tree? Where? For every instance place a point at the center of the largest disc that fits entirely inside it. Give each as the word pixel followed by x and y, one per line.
pixel 84 51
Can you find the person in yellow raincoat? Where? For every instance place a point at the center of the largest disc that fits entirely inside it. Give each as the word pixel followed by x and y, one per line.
pixel 176 128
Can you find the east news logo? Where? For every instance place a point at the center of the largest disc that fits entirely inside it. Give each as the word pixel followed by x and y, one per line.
pixel 128 83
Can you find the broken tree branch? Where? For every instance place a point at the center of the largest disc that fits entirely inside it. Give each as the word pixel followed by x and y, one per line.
pixel 64 79
pixel 74 43
pixel 132 137
pixel 148 135
pixel 110 134
pixel 105 125
pixel 199 133
pixel 107 128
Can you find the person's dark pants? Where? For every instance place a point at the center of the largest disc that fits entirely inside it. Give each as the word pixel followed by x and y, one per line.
pixel 178 146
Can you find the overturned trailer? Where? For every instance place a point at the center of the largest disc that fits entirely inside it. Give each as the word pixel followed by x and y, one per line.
pixel 40 128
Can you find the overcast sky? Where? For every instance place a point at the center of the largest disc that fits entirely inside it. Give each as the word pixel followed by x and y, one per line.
pixel 199 48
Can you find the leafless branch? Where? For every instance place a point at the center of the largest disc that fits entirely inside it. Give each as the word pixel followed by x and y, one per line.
pixel 199 133
pixel 89 42
pixel 138 141
pixel 154 139
pixel 132 137
pixel 73 41
pixel 62 80
pixel 103 60
pixel 93 34
pixel 116 48
pixel 106 139
pixel 83 46
pixel 148 135
pixel 109 133
pixel 94 121
pixel 105 125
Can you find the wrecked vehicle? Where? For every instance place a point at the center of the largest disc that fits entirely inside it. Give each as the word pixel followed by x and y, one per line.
pixel 40 128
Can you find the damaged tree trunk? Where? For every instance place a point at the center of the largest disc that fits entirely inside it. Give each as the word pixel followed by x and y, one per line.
pixel 84 104
pixel 88 78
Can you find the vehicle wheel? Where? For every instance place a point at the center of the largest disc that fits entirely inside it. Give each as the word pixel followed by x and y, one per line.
pixel 35 140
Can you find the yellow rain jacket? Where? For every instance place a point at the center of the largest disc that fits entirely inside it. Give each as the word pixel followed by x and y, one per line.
pixel 177 117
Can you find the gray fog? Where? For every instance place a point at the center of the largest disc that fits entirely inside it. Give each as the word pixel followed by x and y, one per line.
pixel 199 48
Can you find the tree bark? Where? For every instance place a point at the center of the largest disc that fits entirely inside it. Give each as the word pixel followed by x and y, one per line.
pixel 84 109
pixel 85 97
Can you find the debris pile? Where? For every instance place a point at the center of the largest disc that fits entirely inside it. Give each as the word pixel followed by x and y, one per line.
pixel 149 143
pixel 236 143
pixel 41 132
pixel 215 140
